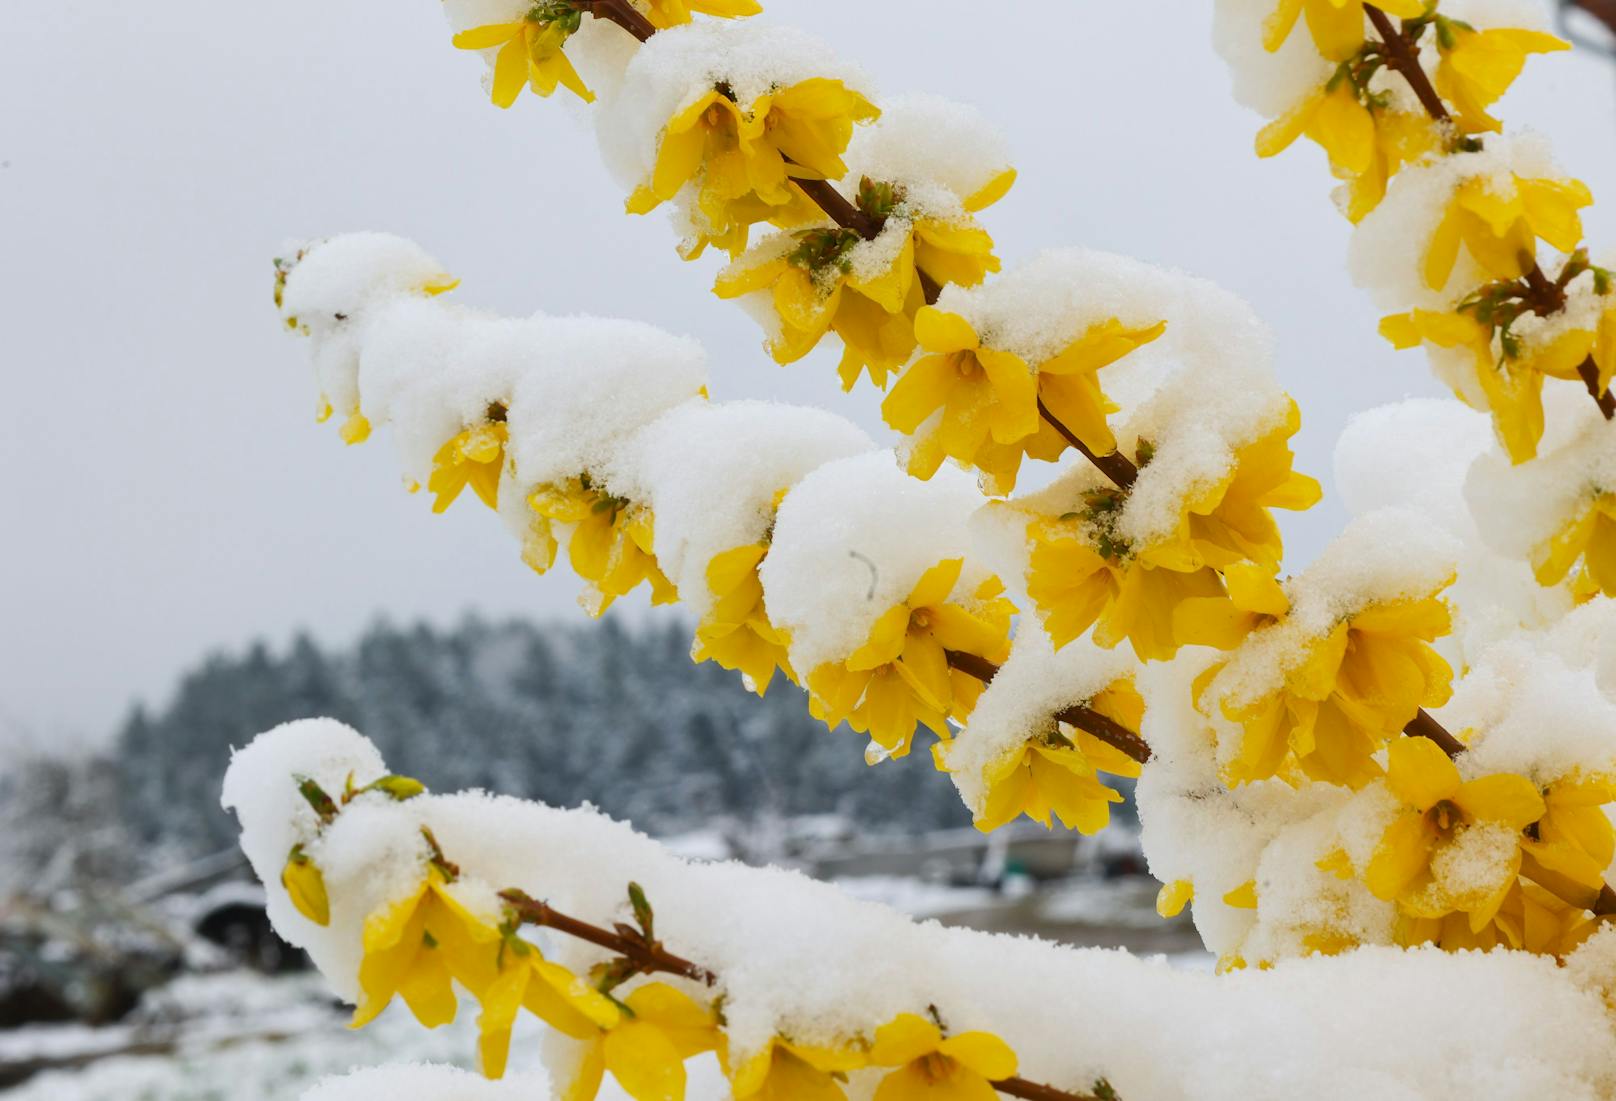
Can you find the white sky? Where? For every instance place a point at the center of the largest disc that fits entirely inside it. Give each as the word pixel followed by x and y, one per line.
pixel 166 488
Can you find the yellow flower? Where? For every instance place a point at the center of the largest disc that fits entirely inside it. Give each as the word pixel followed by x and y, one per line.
pixel 1476 67
pixel 815 289
pixel 989 398
pixel 931 1067
pixel 1428 860
pixel 520 979
pixel 1575 837
pixel 788 1071
pixel 1511 390
pixel 736 632
pixel 611 546
pixel 901 676
pixel 1499 225
pixel 1589 536
pixel 1055 774
pixel 1255 599
pixel 671 13
pixel 303 882
pixel 475 457
pixel 1361 684
pixel 645 1049
pixel 1083 573
pixel 744 158
pixel 1366 143
pixel 530 54
pixel 1229 522
pixel 1076 585
pixel 416 946
pixel 1337 26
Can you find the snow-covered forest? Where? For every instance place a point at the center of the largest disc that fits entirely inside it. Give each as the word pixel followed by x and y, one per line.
pixel 612 715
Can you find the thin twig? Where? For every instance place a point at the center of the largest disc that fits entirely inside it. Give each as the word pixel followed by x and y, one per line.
pixel 1116 466
pixel 1086 719
pixel 1424 726
pixel 1404 56
pixel 1589 373
pixel 648 956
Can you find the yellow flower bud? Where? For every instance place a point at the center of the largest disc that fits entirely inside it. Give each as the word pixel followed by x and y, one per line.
pixel 303 882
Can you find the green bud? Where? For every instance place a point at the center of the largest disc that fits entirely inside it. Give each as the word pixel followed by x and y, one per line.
pixel 643 913
pixel 399 787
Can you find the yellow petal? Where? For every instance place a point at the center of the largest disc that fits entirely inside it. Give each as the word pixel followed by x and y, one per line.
pixel 1420 774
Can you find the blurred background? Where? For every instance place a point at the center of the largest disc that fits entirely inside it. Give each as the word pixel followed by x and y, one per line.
pixel 189 559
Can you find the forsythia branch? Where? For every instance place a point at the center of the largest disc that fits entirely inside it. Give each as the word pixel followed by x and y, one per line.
pixel 1086 719
pixel 648 956
pixel 1546 297
pixel 847 214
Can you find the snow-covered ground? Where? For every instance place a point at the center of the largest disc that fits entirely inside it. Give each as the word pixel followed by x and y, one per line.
pixel 239 1036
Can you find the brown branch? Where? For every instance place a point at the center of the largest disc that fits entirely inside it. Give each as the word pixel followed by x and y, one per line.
pixel 622 13
pixel 648 956
pixel 1602 10
pixel 1424 726
pixel 1589 373
pixel 1037 1091
pixel 1086 719
pixel 1404 56
pixel 1116 466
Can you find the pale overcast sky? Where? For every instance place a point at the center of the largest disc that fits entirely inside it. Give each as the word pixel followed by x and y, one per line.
pixel 167 490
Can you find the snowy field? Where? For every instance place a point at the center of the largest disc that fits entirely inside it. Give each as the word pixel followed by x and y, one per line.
pixel 245 1037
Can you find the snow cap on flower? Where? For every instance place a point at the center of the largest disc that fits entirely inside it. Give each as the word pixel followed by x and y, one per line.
pixel 712 473
pixel 851 541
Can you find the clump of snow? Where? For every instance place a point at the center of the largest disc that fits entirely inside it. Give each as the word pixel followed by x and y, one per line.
pixel 800 958
pixel 1033 684
pixel 333 288
pixel 939 152
pixel 275 817
pixel 1535 706
pixel 1416 455
pixel 1518 508
pixel 711 472
pixel 1268 83
pixel 851 541
pixel 1387 252
pixel 681 64
pixel 601 379
pixel 1302 908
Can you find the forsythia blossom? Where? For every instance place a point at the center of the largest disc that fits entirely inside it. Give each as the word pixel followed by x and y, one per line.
pixel 901 675
pixel 1359 685
pixel 736 632
pixel 742 157
pixel 611 545
pixel 990 399
pixel 1055 773
pixel 1084 572
pixel 475 458
pixel 1455 845
pixel 931 1067
pixel 530 52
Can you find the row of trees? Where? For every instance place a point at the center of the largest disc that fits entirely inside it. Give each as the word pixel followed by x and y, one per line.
pixel 612 715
